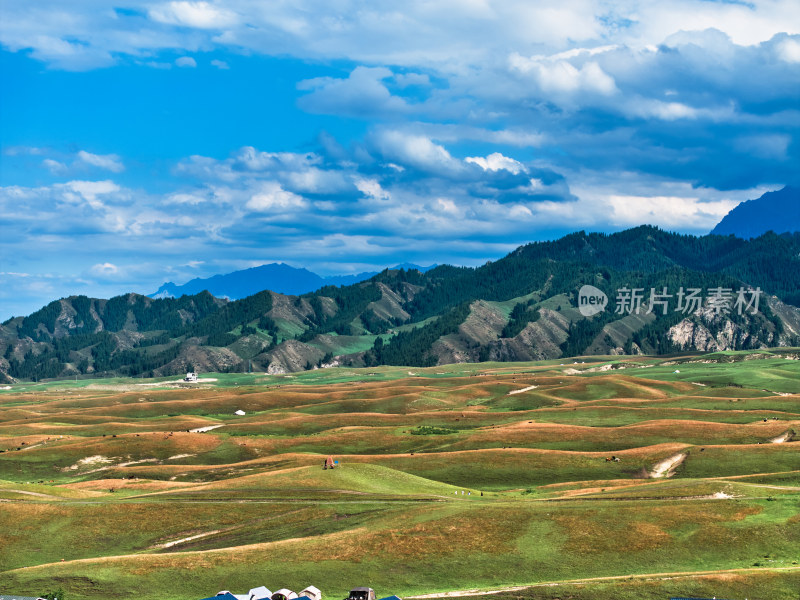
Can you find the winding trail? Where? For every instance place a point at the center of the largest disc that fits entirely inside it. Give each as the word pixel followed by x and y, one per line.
pixel 527 389
pixel 567 582
pixel 188 539
pixel 36 494
pixel 204 429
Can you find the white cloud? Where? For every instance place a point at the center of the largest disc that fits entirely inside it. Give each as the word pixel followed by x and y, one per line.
pixel 496 162
pixel 183 198
pixel 253 160
pixel 273 198
pixel 202 15
pixel 55 167
pixel 314 180
pixel 90 190
pixel 220 64
pixel 446 205
pixel 23 150
pixel 746 23
pixel 415 150
pixel 106 269
pixel 667 211
pixel 673 111
pixel 562 77
pixel 414 34
pixel 371 188
pixel 186 61
pixel 518 211
pixel 361 93
pixel 626 199
pixel 109 162
pixel 789 50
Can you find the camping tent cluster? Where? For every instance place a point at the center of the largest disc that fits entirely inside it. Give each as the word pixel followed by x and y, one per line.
pixel 264 593
pixel 309 593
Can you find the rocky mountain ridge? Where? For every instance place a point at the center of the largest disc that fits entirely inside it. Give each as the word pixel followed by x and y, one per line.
pixel 525 306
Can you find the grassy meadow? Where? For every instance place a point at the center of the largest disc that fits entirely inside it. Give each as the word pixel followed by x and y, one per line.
pixel 602 478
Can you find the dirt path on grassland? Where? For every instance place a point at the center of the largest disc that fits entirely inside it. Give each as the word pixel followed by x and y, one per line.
pixel 36 494
pixel 645 577
pixel 133 387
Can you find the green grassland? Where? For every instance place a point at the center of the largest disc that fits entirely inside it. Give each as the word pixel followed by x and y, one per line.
pixel 488 476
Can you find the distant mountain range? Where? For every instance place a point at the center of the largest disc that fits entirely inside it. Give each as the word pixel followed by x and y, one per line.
pixel 774 211
pixel 276 277
pixel 528 305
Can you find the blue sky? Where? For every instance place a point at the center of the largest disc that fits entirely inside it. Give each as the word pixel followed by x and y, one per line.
pixel 146 141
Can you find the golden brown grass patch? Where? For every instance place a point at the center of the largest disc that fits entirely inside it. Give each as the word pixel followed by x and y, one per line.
pixel 490 531
pixel 586 534
pixel 138 484
pixel 706 513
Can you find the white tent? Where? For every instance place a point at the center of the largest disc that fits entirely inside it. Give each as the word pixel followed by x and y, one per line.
pixel 312 593
pixel 260 593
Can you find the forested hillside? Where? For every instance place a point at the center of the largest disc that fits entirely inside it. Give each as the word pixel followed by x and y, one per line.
pixel 524 306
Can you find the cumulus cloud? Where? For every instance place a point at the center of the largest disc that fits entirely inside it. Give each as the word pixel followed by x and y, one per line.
pixel 672 212
pixel 562 77
pixel 55 167
pixel 371 188
pixel 443 34
pixel 581 114
pixel 186 198
pixel 109 162
pixel 88 191
pixel 104 270
pixel 497 203
pixel 186 61
pixel 362 93
pixel 415 150
pixel 447 205
pixel 789 50
pixel 666 203
pixel 202 15
pixel 272 198
pixel 495 162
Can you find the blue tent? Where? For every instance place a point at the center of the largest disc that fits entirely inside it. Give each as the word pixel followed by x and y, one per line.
pixel 226 596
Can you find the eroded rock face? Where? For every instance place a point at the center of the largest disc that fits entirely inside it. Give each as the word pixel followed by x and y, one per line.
pixel 789 316
pixel 203 359
pixel 291 356
pixel 275 369
pixel 539 340
pixel 689 334
pixel 708 331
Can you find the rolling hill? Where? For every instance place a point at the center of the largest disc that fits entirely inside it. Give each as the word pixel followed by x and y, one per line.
pixel 619 478
pixel 524 306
